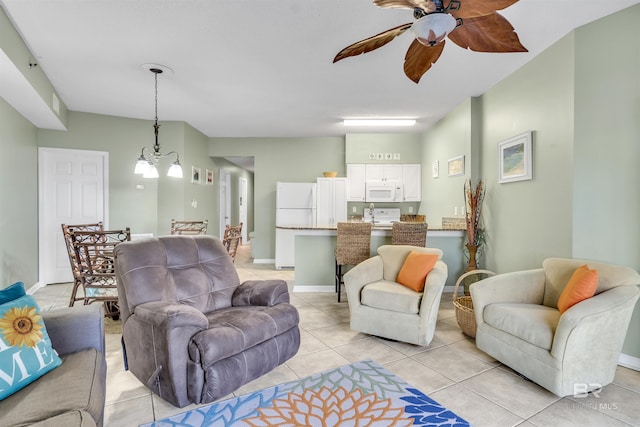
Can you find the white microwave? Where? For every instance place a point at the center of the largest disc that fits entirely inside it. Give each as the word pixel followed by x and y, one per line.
pixel 380 191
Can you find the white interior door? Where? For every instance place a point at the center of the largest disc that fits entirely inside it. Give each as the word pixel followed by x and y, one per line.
pixel 73 189
pixel 225 200
pixel 242 184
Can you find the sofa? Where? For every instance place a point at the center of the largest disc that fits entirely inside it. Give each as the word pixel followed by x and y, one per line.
pixel 523 324
pixel 73 394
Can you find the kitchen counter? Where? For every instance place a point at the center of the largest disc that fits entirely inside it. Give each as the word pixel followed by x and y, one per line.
pixel 315 261
pixel 376 227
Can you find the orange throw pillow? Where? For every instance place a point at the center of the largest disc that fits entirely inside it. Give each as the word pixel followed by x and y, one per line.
pixel 415 269
pixel 582 285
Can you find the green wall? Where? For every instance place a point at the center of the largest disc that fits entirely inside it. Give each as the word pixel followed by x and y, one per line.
pixel 606 200
pixel 527 221
pixel 280 159
pixel 123 139
pixel 449 138
pixel 148 209
pixel 18 198
pixel 359 146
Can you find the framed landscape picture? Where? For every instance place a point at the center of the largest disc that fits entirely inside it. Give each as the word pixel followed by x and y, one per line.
pixel 514 158
pixel 456 166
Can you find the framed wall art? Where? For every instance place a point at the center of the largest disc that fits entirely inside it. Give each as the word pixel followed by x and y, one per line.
pixel 209 178
pixel 456 166
pixel 435 168
pixel 195 175
pixel 514 158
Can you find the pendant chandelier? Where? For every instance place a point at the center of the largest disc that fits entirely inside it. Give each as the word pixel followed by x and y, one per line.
pixel 147 165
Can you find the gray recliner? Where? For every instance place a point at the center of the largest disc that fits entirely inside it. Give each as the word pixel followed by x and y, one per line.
pixel 191 331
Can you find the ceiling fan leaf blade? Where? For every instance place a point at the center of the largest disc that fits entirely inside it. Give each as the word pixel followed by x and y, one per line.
pixel 426 5
pixel 371 43
pixel 475 8
pixel 490 33
pixel 420 58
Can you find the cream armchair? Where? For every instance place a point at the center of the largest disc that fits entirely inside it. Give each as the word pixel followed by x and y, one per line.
pixel 380 306
pixel 519 324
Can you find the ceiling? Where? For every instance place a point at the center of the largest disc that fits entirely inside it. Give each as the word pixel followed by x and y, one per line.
pixel 263 68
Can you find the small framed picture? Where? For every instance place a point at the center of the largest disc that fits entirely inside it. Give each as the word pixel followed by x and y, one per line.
pixel 195 175
pixel 209 178
pixel 456 166
pixel 514 158
pixel 435 168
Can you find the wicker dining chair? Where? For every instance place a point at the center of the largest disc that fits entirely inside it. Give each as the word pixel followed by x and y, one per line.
pixel 353 245
pixel 95 257
pixel 232 239
pixel 189 228
pixel 409 233
pixel 75 268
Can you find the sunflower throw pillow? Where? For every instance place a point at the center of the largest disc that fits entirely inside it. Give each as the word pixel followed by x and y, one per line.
pixel 25 348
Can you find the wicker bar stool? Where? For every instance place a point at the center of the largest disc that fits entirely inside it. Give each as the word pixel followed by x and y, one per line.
pixel 353 246
pixel 409 233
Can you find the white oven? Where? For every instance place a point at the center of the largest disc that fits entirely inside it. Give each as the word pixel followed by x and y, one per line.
pixel 381 191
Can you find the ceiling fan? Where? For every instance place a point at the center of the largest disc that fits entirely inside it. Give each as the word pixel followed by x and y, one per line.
pixel 471 24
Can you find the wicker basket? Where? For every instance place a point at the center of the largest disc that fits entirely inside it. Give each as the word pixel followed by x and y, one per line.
pixel 464 305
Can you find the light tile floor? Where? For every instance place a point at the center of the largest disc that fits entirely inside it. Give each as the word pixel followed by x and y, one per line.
pixel 451 369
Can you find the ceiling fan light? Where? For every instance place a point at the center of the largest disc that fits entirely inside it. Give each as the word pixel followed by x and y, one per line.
pixel 431 29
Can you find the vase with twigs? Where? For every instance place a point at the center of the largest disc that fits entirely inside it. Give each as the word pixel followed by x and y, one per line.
pixel 473 197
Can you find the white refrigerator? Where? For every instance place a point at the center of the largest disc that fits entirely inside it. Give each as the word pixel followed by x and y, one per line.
pixel 295 208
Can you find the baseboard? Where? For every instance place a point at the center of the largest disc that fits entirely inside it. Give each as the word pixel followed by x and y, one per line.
pixel 630 362
pixel 264 261
pixel 33 289
pixel 448 289
pixel 320 288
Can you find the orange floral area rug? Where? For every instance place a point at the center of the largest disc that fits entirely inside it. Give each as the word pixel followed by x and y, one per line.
pixel 359 394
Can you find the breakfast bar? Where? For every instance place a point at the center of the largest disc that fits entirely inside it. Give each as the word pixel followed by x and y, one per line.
pixel 314 254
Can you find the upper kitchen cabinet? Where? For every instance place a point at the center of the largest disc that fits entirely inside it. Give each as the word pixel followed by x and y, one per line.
pixel 384 172
pixel 355 182
pixel 412 180
pixel 331 201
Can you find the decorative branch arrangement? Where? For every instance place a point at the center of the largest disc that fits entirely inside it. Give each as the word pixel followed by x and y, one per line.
pixel 473 199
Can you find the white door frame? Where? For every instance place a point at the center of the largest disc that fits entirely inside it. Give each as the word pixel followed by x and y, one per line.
pixel 42 235
pixel 225 199
pixel 242 206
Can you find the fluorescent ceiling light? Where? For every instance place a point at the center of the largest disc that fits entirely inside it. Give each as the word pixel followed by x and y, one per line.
pixel 379 122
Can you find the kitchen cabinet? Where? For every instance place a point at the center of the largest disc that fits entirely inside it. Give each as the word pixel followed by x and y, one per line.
pixel 331 197
pixel 384 172
pixel 412 180
pixel 355 182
